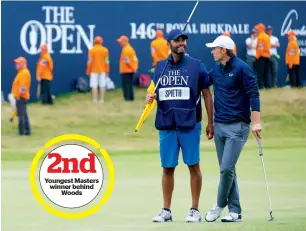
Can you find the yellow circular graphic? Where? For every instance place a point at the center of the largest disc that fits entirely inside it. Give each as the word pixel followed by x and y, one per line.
pixel 110 167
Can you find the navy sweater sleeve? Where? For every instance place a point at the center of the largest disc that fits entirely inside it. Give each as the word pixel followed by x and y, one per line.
pixel 203 77
pixel 251 87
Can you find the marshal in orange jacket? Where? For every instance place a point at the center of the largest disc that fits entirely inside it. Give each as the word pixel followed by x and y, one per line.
pixel 21 84
pixel 159 48
pixel 293 51
pixel 98 60
pixel 128 60
pixel 44 69
pixel 263 42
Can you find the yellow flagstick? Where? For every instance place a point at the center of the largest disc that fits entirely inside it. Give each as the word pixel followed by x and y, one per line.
pixel 148 108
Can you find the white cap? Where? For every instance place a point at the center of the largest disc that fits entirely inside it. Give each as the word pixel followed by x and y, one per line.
pixel 222 41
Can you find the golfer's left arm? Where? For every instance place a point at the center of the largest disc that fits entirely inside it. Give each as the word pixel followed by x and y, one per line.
pixel 251 89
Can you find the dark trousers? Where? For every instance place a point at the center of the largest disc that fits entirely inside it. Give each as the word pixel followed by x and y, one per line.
pixel 262 66
pixel 273 67
pixel 294 75
pixel 127 86
pixel 45 92
pixel 23 119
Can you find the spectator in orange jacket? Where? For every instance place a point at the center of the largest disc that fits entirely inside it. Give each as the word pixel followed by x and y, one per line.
pixel 159 48
pixel 293 60
pixel 229 35
pixel 21 92
pixel 263 57
pixel 128 67
pixel 44 75
pixel 98 68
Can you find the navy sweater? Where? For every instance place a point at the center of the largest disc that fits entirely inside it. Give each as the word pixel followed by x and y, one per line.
pixel 235 91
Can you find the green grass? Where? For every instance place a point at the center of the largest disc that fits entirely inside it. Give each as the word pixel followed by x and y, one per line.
pixel 137 193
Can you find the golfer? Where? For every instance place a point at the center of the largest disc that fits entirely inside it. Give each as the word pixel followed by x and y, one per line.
pixel 178 119
pixel 235 93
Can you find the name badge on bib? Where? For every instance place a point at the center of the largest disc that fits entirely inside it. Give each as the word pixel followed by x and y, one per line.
pixel 174 93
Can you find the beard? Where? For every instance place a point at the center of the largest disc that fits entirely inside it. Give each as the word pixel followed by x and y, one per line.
pixel 178 50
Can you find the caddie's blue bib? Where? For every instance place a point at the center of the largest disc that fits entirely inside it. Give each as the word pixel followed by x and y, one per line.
pixel 177 93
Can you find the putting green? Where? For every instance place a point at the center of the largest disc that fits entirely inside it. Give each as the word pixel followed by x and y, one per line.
pixel 137 195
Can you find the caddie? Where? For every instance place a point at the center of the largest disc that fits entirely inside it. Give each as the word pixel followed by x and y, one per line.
pixel 178 120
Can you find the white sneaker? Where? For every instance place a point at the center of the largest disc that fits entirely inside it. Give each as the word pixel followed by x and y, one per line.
pixel 193 216
pixel 101 101
pixel 213 214
pixel 232 217
pixel 163 216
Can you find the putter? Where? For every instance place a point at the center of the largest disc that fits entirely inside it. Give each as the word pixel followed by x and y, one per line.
pixel 264 171
pixel 162 73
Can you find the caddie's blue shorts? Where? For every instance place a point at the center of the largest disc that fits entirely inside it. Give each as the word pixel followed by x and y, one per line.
pixel 171 141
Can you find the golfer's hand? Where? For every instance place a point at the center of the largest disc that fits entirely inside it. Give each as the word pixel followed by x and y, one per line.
pixel 150 98
pixel 210 131
pixel 256 129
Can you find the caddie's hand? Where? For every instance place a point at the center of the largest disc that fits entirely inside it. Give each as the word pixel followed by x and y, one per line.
pixel 210 131
pixel 256 129
pixel 150 98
